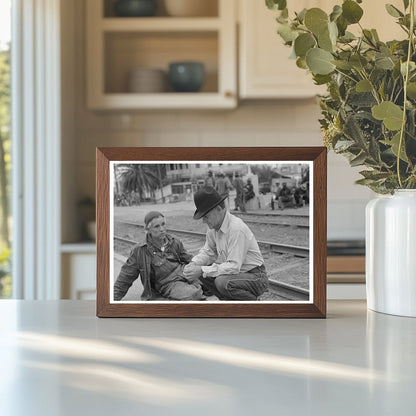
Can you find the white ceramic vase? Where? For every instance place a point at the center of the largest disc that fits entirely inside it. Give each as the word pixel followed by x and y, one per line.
pixel 391 253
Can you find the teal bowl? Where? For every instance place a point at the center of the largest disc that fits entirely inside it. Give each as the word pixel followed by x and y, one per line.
pixel 135 8
pixel 186 76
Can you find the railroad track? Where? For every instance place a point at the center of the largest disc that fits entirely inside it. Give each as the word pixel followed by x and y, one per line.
pixel 292 256
pixel 295 221
pixel 269 245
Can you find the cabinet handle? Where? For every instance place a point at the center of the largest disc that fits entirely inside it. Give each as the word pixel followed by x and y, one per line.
pixel 229 94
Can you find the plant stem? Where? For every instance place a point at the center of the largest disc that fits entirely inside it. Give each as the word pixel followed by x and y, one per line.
pixel 346 75
pixel 405 81
pixel 373 88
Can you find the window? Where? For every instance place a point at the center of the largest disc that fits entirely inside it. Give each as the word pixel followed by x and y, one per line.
pixel 5 159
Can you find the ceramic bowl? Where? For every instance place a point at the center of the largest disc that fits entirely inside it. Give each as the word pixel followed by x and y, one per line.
pixel 147 80
pixel 135 8
pixel 186 76
pixel 191 8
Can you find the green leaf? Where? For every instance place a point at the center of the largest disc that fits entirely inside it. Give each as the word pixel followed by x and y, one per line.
pixel 333 32
pixel 362 99
pixel 301 63
pixel 412 67
pixel 281 19
pixel 276 4
pixel 345 65
pixel 377 75
pixel 351 11
pixel 359 160
pixel 358 61
pixel 319 61
pixel 375 35
pixel 382 88
pixel 406 4
pixel 374 174
pixel 384 62
pixel 374 150
pixel 353 131
pixel 301 15
pixel 347 37
pixel 342 25
pixel 316 20
pixel 391 114
pixel 363 86
pixel 393 11
pixel 368 36
pixel 325 42
pixel 336 12
pixel 303 43
pixel 394 143
pixel 287 33
pixel 365 182
pixel 411 90
pixel 321 79
pixel 343 145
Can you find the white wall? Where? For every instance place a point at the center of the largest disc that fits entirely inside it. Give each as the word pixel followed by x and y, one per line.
pixel 253 123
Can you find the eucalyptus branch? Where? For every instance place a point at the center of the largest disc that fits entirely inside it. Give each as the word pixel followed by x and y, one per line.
pixel 346 75
pixel 405 81
pixel 397 95
pixel 392 91
pixel 373 88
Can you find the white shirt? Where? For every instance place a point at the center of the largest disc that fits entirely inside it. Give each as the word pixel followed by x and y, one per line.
pixel 230 250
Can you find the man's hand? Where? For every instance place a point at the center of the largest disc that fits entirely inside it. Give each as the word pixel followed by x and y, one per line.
pixel 192 271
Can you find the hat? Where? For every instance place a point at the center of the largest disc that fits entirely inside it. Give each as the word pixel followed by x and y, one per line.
pixel 205 200
pixel 152 215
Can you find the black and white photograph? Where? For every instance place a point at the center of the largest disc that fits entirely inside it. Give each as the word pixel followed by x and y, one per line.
pixel 235 231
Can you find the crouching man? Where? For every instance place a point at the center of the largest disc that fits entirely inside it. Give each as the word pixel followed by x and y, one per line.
pixel 160 263
pixel 230 265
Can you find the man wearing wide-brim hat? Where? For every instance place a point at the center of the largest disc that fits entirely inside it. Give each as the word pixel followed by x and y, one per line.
pixel 230 265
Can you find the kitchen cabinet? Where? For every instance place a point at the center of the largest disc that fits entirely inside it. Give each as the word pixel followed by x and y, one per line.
pixel 265 67
pixel 265 70
pixel 118 45
pixel 78 263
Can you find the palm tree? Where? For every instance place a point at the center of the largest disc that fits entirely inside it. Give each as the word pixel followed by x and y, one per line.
pixel 264 172
pixel 139 178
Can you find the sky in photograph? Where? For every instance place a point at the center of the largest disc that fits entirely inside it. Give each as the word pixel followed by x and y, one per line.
pixel 4 22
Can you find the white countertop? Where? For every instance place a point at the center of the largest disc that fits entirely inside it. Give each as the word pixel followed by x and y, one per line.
pixel 57 358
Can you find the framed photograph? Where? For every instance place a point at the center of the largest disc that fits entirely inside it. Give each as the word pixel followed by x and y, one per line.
pixel 211 232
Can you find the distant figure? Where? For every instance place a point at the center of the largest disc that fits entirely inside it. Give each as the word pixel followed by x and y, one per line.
pixel 298 197
pixel 285 196
pixel 209 180
pixel 188 195
pixel 160 263
pixel 248 191
pixel 305 192
pixel 223 186
pixel 239 199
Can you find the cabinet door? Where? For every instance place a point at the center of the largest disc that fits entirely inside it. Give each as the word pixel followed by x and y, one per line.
pixel 266 71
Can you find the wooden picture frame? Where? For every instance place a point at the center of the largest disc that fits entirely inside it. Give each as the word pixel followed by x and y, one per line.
pixel 310 159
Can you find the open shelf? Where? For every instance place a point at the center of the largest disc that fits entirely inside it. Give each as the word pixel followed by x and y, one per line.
pixel 160 24
pixel 118 45
pixel 209 9
pixel 127 51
